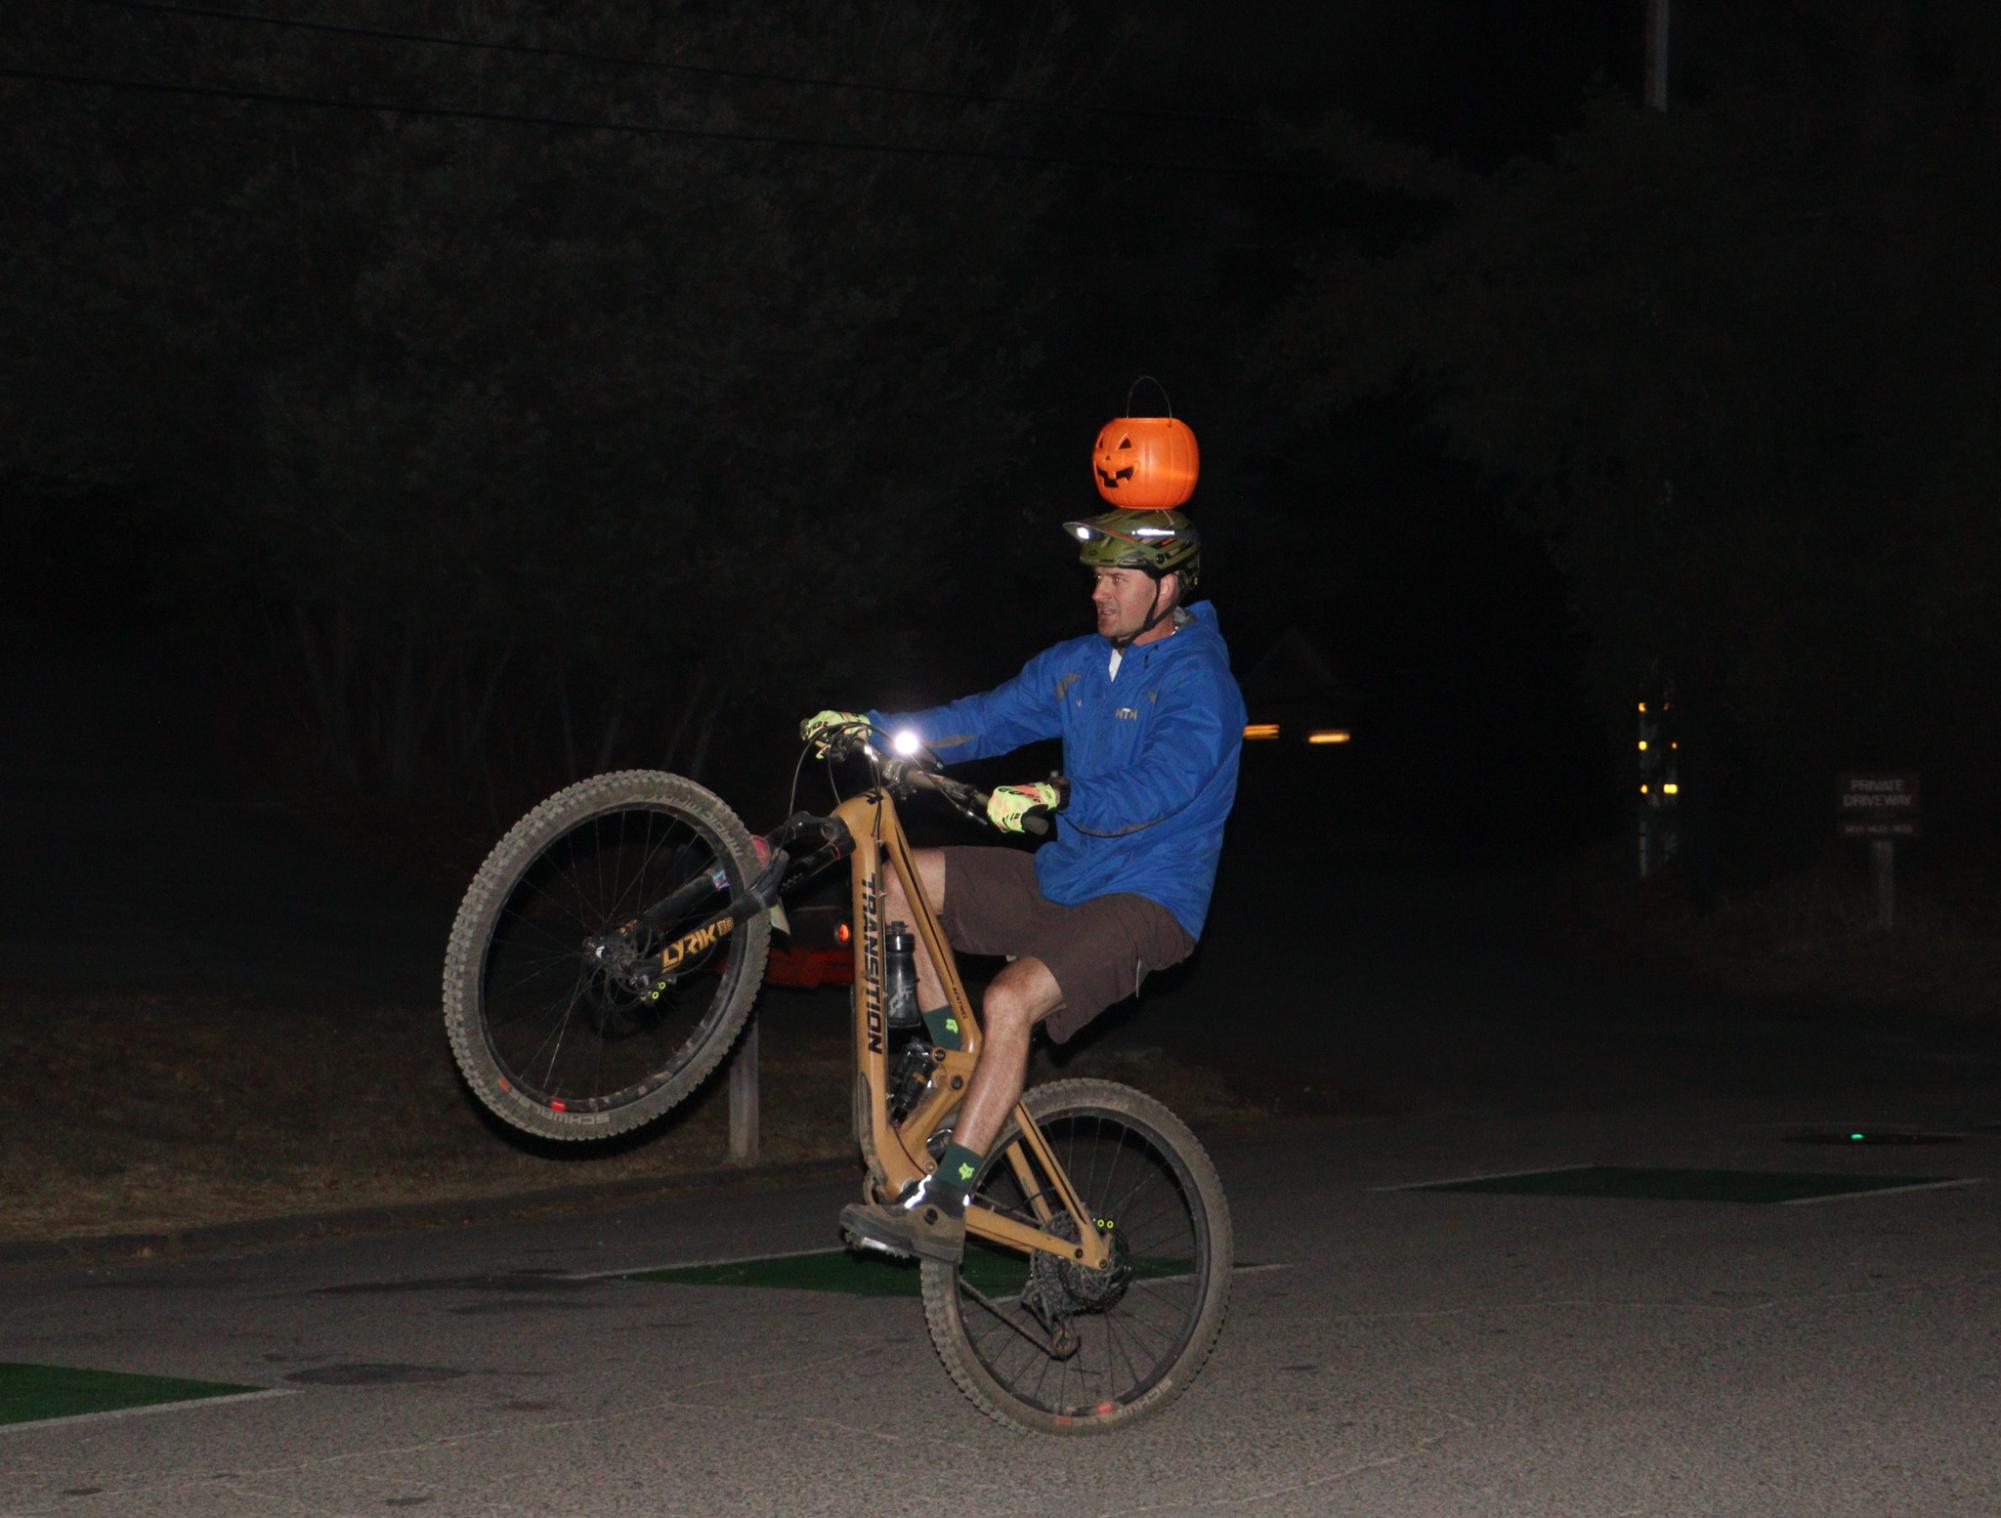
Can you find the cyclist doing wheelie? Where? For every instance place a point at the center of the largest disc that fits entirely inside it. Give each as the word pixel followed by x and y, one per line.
pixel 1078 1242
pixel 1151 723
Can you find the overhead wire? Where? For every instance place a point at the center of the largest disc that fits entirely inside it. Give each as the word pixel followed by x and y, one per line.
pixel 583 55
pixel 634 128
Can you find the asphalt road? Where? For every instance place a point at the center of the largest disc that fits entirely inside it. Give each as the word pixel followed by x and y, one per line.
pixel 1396 1352
pixel 1405 1352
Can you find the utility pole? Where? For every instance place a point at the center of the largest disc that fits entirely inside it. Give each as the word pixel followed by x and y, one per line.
pixel 1660 780
pixel 1657 55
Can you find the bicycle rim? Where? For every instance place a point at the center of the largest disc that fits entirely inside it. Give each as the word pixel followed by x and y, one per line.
pixel 568 1031
pixel 1044 1345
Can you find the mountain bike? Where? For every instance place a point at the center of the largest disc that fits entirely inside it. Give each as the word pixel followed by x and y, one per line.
pixel 607 954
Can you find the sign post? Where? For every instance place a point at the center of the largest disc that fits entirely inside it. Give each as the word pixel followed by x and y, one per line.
pixel 1882 809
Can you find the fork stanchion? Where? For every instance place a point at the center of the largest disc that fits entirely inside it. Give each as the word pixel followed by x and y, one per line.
pixel 743 1099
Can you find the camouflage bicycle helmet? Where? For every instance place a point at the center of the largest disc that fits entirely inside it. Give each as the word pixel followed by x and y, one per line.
pixel 1159 542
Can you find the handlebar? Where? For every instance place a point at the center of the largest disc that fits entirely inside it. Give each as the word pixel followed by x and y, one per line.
pixel 968 799
pixel 908 774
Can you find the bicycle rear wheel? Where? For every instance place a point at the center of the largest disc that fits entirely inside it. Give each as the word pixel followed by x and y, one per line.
pixel 1045 1345
pixel 561 1016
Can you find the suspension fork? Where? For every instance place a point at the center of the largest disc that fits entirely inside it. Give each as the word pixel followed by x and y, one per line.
pixel 774 849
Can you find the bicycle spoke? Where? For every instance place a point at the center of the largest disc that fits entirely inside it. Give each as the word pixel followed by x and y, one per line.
pixel 533 922
pixel 555 1041
pixel 1041 1379
pixel 579 901
pixel 1000 1317
pixel 639 876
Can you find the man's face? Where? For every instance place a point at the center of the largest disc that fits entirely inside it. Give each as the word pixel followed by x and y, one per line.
pixel 1123 598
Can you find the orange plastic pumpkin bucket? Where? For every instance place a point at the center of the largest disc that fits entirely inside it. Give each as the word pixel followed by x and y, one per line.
pixel 1146 463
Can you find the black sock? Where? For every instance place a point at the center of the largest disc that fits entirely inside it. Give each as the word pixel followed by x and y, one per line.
pixel 956 1168
pixel 943 1026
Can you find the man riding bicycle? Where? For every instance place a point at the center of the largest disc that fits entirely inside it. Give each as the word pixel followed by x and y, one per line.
pixel 1152 724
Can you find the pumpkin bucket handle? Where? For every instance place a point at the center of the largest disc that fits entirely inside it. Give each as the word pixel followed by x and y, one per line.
pixel 1148 379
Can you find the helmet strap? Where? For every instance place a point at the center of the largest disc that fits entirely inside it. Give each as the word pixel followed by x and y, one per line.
pixel 1154 613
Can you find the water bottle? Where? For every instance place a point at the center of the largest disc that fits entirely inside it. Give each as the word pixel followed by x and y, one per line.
pixel 899 976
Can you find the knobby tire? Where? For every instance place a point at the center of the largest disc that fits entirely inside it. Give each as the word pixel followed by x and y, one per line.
pixel 545 1041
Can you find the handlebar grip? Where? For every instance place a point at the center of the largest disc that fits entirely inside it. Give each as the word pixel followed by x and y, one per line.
pixel 974 802
pixel 1036 821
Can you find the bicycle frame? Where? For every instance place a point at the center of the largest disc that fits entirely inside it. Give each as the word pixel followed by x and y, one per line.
pixel 894 1152
pixel 868 832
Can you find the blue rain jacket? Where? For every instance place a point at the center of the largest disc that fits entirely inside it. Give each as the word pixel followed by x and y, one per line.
pixel 1151 756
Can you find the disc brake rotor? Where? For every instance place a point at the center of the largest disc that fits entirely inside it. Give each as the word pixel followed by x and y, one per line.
pixel 624 988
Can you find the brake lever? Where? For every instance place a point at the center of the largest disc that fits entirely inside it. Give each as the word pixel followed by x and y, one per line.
pixel 837 743
pixel 960 795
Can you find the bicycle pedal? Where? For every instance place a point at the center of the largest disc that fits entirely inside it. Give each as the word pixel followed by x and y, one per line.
pixel 861 1243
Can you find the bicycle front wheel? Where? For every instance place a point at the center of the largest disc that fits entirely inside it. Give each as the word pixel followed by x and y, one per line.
pixel 563 1017
pixel 1045 1345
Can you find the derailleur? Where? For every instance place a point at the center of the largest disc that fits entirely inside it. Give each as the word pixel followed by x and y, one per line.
pixel 1059 1290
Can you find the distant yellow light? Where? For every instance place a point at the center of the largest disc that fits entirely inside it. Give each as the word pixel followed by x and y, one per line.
pixel 1670 789
pixel 1643 745
pixel 1261 730
pixel 1643 790
pixel 1329 735
pixel 1674 745
pixel 1643 706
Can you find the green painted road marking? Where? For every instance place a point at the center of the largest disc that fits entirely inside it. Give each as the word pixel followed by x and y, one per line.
pixel 37 1393
pixel 1635 1183
pixel 991 1272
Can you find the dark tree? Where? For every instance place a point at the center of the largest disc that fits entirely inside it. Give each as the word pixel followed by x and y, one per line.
pixel 559 405
pixel 1736 365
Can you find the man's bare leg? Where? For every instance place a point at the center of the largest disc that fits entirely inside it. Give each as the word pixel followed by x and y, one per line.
pixel 1017 999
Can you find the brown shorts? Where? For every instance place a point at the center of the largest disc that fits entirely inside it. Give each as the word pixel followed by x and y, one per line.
pixel 1099 950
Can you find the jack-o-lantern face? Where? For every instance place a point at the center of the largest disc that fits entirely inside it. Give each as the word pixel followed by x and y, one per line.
pixel 1145 462
pixel 1115 462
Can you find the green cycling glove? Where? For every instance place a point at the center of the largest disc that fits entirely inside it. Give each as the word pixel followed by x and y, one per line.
pixel 826 721
pixel 1009 804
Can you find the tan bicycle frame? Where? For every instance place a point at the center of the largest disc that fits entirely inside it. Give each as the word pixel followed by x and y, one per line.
pixel 895 1153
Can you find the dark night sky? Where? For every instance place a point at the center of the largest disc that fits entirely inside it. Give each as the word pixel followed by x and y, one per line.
pixel 1450 626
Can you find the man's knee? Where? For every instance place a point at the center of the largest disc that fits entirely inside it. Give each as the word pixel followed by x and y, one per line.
pixel 1020 997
